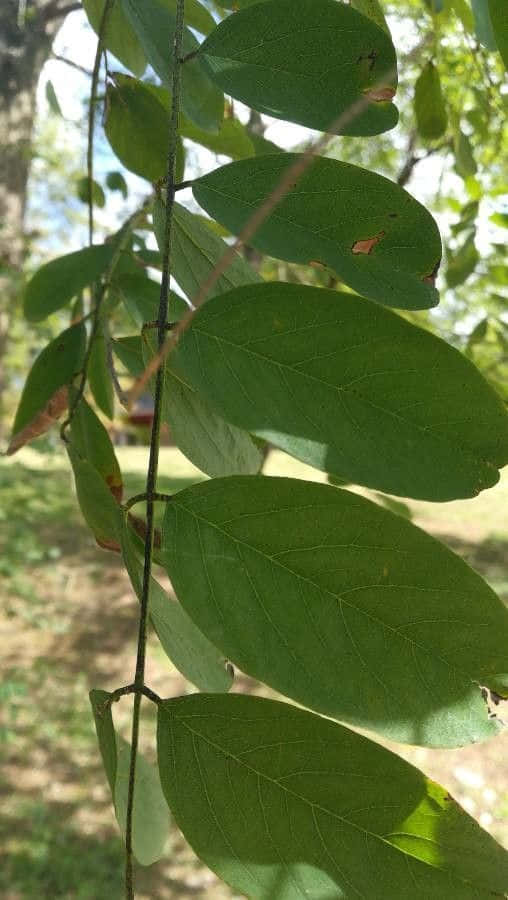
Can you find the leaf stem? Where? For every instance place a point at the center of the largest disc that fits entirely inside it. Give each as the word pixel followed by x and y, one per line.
pixel 153 463
pixel 121 239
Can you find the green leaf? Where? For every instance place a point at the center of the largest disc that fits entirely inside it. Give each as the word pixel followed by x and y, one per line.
pixel 150 826
pixel 129 351
pixel 478 334
pixel 100 510
pixel 155 27
pixel 58 281
pixel 211 444
pixel 372 9
pixel 98 196
pixel 116 182
pixel 462 263
pixel 99 377
pixel 105 733
pixel 321 64
pixel 150 818
pixel 119 37
pixel 499 23
pixel 378 238
pixel 500 219
pixel 141 297
pixel 348 387
pixel 52 99
pixel 395 506
pixel 92 442
pixel 483 24
pixel 232 139
pixel 281 803
pixel 429 104
pixel 196 252
pixel 339 604
pixel 185 645
pixel 196 16
pixel 434 6
pixel 132 112
pixel 55 367
pixel 465 163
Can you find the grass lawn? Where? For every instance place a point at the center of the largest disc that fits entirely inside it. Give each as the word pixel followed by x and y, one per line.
pixel 68 622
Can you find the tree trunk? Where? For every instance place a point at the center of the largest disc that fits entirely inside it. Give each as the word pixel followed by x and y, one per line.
pixel 26 37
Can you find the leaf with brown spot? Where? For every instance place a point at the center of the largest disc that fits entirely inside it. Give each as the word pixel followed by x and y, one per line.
pixel 44 396
pixel 366 246
pixel 42 422
pixel 91 439
pixel 314 65
pixel 333 205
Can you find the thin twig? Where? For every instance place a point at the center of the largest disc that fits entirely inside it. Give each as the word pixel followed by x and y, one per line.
pixel 100 291
pixel 151 480
pixel 72 64
pixel 140 498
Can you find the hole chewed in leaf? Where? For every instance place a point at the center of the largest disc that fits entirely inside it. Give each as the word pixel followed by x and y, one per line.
pixel 365 246
pixel 42 422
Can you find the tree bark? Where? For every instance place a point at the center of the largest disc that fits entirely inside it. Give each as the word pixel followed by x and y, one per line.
pixel 26 37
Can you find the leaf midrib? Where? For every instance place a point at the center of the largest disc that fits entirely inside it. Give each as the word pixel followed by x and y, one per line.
pixel 470 456
pixel 304 800
pixel 327 592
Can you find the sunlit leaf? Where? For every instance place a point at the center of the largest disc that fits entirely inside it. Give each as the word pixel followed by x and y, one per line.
pixel 283 804
pixel 339 604
pixel 378 238
pixel 429 104
pixel 318 63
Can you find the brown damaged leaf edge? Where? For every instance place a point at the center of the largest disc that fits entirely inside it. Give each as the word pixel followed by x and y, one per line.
pixel 431 278
pixel 366 246
pixel 42 422
pixel 139 526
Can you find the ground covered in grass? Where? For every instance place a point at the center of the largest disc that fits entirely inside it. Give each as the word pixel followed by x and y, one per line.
pixel 68 623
